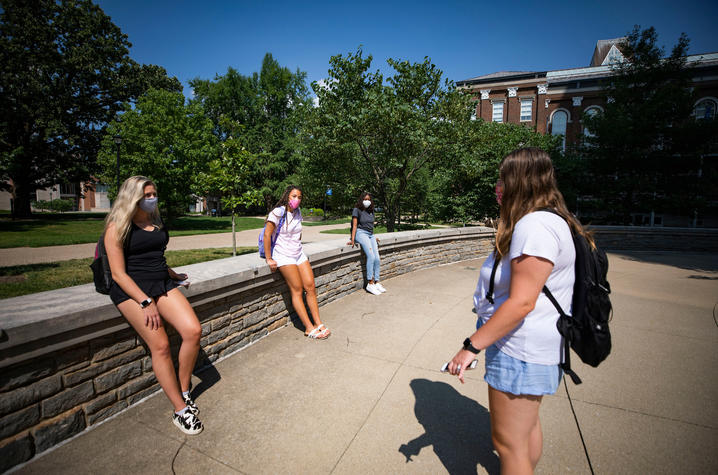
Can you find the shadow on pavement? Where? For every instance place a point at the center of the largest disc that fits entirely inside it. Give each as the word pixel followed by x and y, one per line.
pixel 705 262
pixel 456 426
pixel 207 374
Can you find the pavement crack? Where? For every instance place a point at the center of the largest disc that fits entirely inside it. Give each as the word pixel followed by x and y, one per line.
pixel 184 441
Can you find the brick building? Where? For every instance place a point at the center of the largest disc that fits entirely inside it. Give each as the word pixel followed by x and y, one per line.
pixel 555 101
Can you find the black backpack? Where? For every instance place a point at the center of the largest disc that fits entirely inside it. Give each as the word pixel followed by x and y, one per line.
pixel 586 330
pixel 101 273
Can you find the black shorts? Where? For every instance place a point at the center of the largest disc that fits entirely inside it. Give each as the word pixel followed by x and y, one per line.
pixel 153 288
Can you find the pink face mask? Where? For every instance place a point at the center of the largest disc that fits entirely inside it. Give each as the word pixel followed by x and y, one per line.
pixel 499 189
pixel 294 203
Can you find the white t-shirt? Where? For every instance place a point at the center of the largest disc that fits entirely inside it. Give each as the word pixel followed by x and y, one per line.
pixel 289 240
pixel 535 339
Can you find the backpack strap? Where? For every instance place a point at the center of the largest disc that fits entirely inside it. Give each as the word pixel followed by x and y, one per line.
pixel 566 364
pixel 490 292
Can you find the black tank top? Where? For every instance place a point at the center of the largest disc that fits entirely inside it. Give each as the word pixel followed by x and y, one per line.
pixel 145 256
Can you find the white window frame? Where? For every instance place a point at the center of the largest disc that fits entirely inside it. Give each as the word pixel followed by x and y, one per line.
pixel 494 105
pixel 568 121
pixel 529 117
pixel 598 109
pixel 705 99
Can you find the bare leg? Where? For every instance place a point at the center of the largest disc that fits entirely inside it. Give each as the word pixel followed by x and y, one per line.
pixel 159 346
pixel 535 443
pixel 294 281
pixel 307 275
pixel 176 310
pixel 514 420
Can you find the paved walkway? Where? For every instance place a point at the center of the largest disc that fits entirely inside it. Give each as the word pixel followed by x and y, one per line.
pixel 371 398
pixel 35 255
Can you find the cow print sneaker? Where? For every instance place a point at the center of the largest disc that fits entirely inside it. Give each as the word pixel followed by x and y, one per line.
pixel 188 423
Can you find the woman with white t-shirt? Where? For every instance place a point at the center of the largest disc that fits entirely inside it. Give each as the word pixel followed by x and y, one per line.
pixel 517 324
pixel 291 261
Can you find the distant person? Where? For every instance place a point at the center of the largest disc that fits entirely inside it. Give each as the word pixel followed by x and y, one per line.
pixel 288 256
pixel 363 232
pixel 517 325
pixel 145 292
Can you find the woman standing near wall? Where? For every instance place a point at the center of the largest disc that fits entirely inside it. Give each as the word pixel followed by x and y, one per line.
pixel 145 292
pixel 517 325
pixel 363 233
pixel 288 256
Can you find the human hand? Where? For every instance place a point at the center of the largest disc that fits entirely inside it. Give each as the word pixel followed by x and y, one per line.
pixel 351 243
pixel 272 264
pixel 377 239
pixel 460 363
pixel 152 316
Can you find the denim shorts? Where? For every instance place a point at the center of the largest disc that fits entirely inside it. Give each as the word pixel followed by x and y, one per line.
pixel 511 375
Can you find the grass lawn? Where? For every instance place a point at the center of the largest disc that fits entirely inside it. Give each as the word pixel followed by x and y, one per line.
pixel 76 228
pixel 32 278
pixel 328 221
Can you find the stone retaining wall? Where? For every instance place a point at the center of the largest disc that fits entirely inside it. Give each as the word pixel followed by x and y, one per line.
pixel 68 360
pixel 633 238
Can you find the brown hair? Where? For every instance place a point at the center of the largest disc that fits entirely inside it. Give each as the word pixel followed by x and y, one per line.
pixel 529 185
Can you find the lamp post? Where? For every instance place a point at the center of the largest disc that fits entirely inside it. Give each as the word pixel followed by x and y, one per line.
pixel 118 142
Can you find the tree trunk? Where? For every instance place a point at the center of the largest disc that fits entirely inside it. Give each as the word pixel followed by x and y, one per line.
pixel 234 236
pixel 21 201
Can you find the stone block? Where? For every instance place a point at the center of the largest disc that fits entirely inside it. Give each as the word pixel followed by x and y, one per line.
pixel 23 397
pixel 21 375
pixel 107 347
pixel 221 322
pixel 56 430
pixel 106 412
pixel 67 399
pixel 11 424
pixel 136 385
pixel 214 337
pixel 71 379
pixel 206 328
pixel 15 451
pixel 234 347
pixel 100 402
pixel 117 377
pixel 78 355
pixel 143 394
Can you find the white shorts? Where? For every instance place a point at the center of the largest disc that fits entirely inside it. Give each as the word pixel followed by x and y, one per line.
pixel 284 260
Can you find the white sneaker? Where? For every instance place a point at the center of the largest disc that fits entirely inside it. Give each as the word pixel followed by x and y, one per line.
pixel 371 288
pixel 380 287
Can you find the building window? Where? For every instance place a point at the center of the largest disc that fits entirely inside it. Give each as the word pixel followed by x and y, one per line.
pixel 590 112
pixel 497 112
pixel 526 105
pixel 705 109
pixel 558 125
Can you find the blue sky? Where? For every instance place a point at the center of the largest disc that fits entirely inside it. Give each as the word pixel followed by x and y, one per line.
pixel 464 39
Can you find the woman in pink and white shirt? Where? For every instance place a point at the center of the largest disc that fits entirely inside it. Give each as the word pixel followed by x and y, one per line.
pixel 288 256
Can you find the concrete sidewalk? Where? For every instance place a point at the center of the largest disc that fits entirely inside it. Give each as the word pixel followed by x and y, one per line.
pixel 35 255
pixel 371 399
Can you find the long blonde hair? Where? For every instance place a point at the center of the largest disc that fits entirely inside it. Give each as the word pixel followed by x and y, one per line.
pixel 529 185
pixel 125 206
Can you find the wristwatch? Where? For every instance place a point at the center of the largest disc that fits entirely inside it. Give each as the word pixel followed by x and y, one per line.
pixel 146 302
pixel 470 347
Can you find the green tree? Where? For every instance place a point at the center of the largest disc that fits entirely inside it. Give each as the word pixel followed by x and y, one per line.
pixel 268 105
pixel 462 188
pixel 368 134
pixel 644 150
pixel 229 177
pixel 65 72
pixel 165 140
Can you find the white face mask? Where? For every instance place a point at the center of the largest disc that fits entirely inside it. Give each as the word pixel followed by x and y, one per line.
pixel 148 204
pixel 366 203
